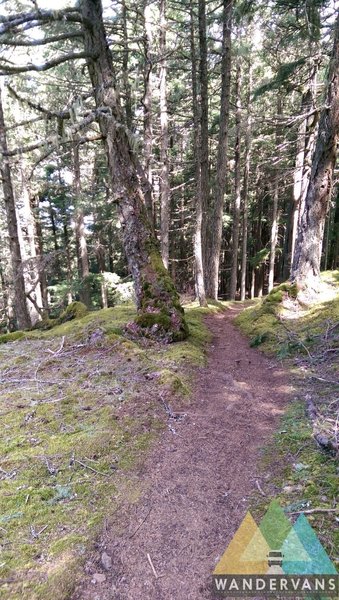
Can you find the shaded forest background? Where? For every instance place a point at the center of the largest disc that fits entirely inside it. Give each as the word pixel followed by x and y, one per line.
pixel 219 101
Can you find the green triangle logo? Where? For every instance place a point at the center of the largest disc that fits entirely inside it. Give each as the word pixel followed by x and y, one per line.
pixel 275 526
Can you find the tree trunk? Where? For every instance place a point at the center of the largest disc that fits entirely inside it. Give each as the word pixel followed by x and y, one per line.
pixel 274 226
pixel 213 241
pixel 125 61
pixel 303 162
pixel 20 304
pixel 147 102
pixel 204 153
pixel 237 198
pixel 100 254
pixel 307 258
pixel 165 192
pixel 198 258
pixel 334 253
pixel 248 148
pixel 29 254
pixel 79 230
pixel 68 258
pixel 157 299
pixel 40 251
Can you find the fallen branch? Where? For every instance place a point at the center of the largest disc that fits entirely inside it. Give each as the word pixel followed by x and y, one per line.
pixel 60 349
pixel 141 524
pixel 88 467
pixel 311 511
pixel 152 566
pixel 325 380
pixel 259 488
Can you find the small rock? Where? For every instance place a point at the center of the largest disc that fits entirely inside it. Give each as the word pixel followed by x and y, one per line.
pixel 300 466
pixel 289 489
pixel 106 561
pixel 98 578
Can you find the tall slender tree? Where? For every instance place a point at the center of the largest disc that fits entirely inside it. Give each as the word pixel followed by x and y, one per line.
pixel 237 184
pixel 165 190
pixel 215 215
pixel 20 304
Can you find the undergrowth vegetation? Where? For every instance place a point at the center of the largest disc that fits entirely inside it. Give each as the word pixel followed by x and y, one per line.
pixel 303 455
pixel 79 408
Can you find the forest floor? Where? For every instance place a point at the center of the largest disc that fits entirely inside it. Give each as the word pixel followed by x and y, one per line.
pixel 127 465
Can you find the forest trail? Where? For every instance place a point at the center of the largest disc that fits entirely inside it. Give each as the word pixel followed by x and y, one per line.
pixel 197 480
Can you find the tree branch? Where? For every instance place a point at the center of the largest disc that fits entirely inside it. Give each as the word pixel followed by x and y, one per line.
pixel 44 41
pixel 45 66
pixel 23 123
pixel 54 142
pixel 40 16
pixel 63 114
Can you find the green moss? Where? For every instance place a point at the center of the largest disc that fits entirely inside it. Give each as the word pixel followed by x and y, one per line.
pixel 75 310
pixel 66 542
pixel 275 296
pixel 11 337
pixel 261 324
pixel 160 296
pixel 174 383
pixel 148 319
pixel 281 291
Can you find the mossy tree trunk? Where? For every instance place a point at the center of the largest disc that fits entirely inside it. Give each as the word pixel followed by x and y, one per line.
pixel 307 256
pixel 157 299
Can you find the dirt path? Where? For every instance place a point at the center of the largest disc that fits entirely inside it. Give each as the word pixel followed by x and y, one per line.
pixel 197 480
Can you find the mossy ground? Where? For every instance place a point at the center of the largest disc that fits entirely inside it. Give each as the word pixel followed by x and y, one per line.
pixel 80 408
pixel 301 477
pixel 296 470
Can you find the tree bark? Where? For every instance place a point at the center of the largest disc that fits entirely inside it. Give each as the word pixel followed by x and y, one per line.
pixel 20 304
pixel 165 192
pixel 147 102
pixel 307 257
pixel 274 226
pixel 197 243
pixel 247 160
pixel 30 257
pixel 204 151
pixel 157 299
pixel 214 219
pixel 79 229
pixel 40 251
pixel 303 163
pixel 125 65
pixel 237 197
